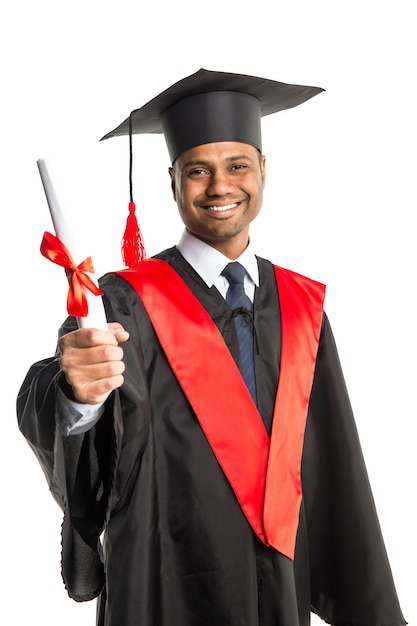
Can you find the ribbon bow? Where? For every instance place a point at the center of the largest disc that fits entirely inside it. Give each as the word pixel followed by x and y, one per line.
pixel 54 250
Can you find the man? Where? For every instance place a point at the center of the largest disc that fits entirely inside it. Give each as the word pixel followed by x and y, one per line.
pixel 209 433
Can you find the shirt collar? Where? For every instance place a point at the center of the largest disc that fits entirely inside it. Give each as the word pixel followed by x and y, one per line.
pixel 209 262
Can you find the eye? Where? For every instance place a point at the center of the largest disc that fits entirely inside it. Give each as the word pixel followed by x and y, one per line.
pixel 238 166
pixel 197 172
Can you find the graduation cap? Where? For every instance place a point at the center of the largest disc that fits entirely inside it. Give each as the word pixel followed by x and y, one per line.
pixel 209 107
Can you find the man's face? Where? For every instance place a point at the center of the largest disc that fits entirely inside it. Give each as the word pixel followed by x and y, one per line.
pixel 218 188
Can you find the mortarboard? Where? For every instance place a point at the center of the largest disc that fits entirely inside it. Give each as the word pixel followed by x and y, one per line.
pixel 208 107
pixel 213 106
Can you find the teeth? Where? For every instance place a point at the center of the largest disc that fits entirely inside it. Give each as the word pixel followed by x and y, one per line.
pixel 222 208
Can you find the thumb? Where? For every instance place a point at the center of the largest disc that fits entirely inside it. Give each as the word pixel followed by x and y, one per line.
pixel 118 331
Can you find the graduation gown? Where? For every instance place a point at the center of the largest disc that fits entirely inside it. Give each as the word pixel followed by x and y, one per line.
pixel 177 549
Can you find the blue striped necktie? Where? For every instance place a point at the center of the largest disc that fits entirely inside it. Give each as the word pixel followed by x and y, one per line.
pixel 242 309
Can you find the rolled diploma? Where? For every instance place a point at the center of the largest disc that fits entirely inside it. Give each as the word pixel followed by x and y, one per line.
pixel 96 317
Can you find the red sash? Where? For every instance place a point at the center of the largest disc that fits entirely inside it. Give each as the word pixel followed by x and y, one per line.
pixel 264 474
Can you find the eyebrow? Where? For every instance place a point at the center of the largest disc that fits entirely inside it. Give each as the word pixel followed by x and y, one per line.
pixel 205 163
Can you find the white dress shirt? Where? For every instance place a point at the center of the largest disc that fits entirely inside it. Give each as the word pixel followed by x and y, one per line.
pixel 209 264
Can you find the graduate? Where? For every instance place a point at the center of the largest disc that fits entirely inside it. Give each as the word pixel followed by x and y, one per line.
pixel 203 449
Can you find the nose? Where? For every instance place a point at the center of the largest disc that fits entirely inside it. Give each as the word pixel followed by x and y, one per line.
pixel 219 184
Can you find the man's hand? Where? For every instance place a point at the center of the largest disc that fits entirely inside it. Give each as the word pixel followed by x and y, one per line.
pixel 91 360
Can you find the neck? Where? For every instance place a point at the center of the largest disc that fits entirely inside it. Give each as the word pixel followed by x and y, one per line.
pixel 231 248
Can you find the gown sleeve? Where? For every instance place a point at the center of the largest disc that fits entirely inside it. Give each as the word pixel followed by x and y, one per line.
pixel 77 470
pixel 88 474
pixel 351 579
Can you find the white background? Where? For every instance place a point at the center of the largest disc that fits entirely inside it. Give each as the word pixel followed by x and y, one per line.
pixel 339 206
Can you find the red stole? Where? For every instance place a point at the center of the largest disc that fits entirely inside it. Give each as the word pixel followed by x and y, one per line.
pixel 264 473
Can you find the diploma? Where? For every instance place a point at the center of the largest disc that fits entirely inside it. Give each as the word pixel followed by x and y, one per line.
pixel 65 232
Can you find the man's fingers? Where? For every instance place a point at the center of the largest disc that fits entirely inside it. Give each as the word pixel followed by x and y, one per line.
pixel 92 361
pixel 89 337
pixel 93 383
pixel 104 353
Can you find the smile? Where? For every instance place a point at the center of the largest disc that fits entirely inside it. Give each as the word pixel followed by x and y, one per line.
pixel 220 209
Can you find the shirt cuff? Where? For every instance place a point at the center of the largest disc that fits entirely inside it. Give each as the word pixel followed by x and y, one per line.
pixel 76 418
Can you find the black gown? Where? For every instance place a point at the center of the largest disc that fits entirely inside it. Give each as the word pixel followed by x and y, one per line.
pixel 177 549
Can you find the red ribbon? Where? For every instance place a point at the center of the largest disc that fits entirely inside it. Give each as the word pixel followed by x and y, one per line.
pixel 54 250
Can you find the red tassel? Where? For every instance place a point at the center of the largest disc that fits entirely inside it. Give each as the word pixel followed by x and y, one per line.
pixel 133 248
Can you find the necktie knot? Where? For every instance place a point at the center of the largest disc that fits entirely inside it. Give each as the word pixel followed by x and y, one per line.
pixel 235 273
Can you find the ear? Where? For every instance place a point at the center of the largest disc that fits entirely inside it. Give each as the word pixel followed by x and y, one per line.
pixel 172 176
pixel 263 161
